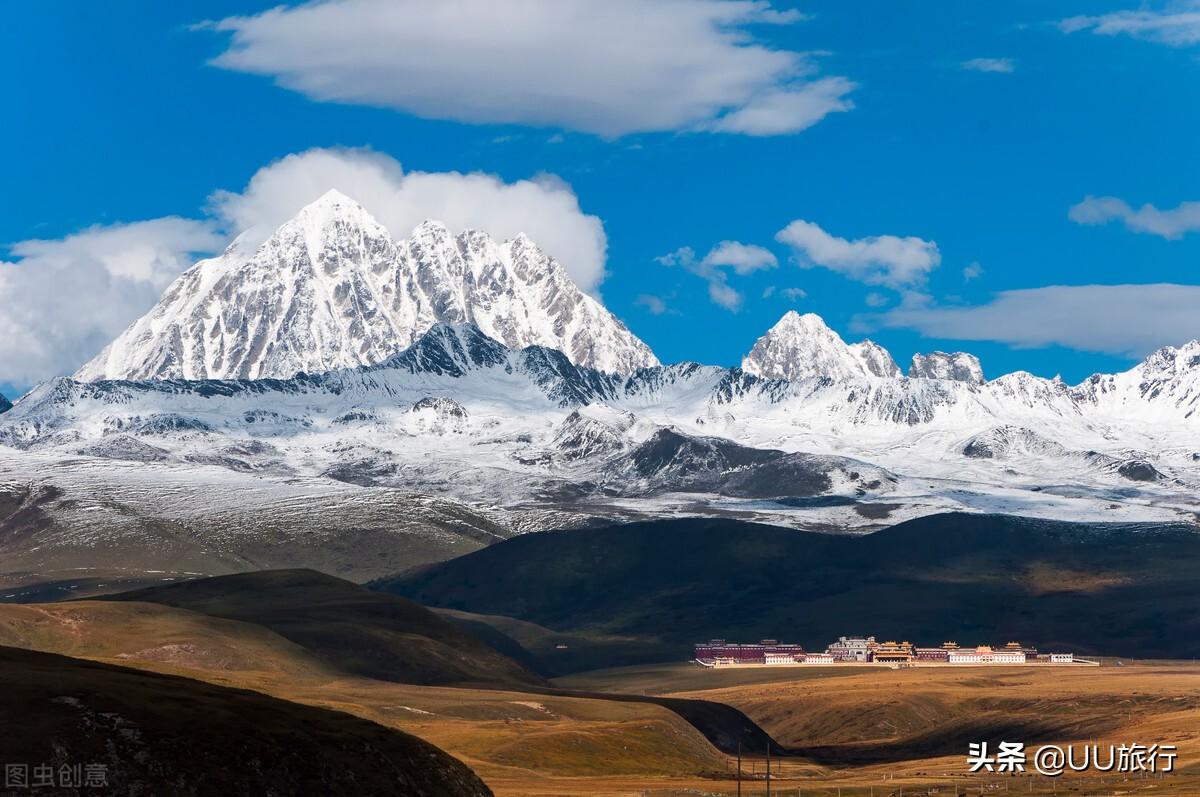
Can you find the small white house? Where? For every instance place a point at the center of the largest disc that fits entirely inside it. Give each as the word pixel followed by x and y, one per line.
pixel 1062 658
pixel 818 658
pixel 779 658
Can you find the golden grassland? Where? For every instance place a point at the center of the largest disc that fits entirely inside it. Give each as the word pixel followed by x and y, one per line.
pixel 876 731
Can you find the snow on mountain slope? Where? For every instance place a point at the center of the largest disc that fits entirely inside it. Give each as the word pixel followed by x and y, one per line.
pixel 803 346
pixel 959 366
pixel 330 289
pixel 66 517
pixel 1162 388
pixel 461 415
pixel 875 360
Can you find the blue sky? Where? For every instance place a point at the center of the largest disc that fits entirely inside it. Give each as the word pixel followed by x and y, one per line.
pixel 950 181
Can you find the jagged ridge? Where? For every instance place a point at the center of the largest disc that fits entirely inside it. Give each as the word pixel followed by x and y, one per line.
pixel 331 289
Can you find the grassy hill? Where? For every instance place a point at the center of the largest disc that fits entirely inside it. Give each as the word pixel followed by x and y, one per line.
pixel 151 730
pixel 648 591
pixel 349 628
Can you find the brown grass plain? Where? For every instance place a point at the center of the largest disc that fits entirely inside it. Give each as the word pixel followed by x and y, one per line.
pixel 851 731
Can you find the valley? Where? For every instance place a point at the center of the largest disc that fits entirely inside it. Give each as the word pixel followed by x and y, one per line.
pixel 563 398
pixel 909 728
pixel 430 494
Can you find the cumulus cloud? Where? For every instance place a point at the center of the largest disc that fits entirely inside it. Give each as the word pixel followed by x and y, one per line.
pixel 795 294
pixel 1171 224
pixel 972 271
pixel 61 301
pixel 719 289
pixel 885 260
pixel 1175 25
pixel 1126 320
pixel 1003 65
pixel 713 268
pixel 545 207
pixel 743 258
pixel 609 68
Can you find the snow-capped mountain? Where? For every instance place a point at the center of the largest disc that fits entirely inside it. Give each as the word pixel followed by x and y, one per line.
pixel 330 289
pixel 803 346
pixel 958 366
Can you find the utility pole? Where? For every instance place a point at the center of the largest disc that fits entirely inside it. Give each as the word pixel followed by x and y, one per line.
pixel 768 768
pixel 739 770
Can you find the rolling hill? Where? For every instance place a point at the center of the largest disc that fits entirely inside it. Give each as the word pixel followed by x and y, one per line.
pixel 149 730
pixel 345 626
pixel 647 591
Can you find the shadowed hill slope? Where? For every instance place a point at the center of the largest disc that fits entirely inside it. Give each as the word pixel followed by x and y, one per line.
pixel 150 730
pixel 350 628
pixel 650 590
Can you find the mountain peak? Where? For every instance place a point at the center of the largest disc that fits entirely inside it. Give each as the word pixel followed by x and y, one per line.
pixel 330 289
pixel 333 197
pixel 430 227
pixel 449 349
pixel 956 366
pixel 803 346
pixel 875 359
pixel 809 322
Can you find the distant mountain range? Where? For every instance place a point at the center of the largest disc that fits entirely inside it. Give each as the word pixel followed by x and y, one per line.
pixel 333 359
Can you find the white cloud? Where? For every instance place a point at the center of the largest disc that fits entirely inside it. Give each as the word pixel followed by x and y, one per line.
pixel 972 271
pixel 1127 320
pixel 1176 25
pixel 788 110
pixel 651 303
pixel 876 260
pixel 724 295
pixel 743 258
pixel 795 294
pixel 545 208
pixel 1171 224
pixel 609 68
pixel 62 301
pixel 719 290
pixel 875 299
pixel 1003 65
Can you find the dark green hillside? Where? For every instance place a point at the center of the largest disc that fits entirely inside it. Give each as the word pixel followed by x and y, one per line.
pixel 351 628
pixel 159 734
pixel 1126 590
